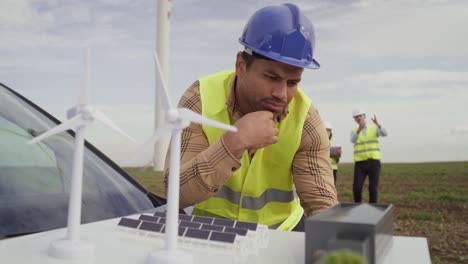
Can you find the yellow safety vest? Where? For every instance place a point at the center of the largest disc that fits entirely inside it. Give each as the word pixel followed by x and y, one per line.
pixel 367 146
pixel 334 162
pixel 261 190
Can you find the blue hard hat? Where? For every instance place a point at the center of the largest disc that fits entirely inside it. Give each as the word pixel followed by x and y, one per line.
pixel 281 33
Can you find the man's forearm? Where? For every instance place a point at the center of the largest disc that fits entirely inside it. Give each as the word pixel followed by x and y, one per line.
pixel 354 137
pixel 382 132
pixel 314 181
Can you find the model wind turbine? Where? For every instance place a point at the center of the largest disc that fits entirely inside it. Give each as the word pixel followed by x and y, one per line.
pixel 176 120
pixel 79 117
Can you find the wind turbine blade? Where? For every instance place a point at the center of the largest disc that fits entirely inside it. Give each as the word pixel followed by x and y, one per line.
pixel 100 116
pixel 152 140
pixel 146 165
pixel 188 114
pixel 69 124
pixel 163 91
pixel 84 97
pixel 157 134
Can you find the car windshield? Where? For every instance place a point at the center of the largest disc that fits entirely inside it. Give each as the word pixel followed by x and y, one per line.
pixel 35 178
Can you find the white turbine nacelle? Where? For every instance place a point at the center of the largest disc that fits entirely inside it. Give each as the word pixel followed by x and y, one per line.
pixel 86 111
pixel 172 115
pixel 89 114
pixel 81 115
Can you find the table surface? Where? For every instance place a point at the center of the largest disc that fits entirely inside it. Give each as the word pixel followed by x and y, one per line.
pixel 114 246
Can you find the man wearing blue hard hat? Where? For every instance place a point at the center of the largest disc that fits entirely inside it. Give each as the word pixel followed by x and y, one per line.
pixel 281 147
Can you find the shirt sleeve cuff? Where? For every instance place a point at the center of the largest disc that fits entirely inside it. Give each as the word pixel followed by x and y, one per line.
pixel 222 158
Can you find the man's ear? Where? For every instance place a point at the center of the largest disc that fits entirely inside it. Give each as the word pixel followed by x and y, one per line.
pixel 240 63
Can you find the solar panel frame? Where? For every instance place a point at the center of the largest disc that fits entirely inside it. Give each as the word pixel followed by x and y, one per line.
pixel 212 227
pixel 150 226
pixel 222 237
pixel 190 224
pixel 203 220
pixel 149 218
pixel 128 222
pixel 224 222
pixel 197 233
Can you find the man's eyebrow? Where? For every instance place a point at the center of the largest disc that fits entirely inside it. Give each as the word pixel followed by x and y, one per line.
pixel 272 72
pixel 298 80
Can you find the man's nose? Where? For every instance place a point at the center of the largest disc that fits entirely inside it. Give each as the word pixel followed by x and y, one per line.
pixel 280 91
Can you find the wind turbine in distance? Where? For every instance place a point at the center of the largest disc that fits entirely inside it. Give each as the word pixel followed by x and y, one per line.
pixel 79 117
pixel 176 120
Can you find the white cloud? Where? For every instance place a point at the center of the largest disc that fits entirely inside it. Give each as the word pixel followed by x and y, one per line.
pixel 414 76
pixel 21 15
pixel 394 85
pixel 459 130
pixel 37 65
pixel 403 60
pixel 116 2
pixel 398 28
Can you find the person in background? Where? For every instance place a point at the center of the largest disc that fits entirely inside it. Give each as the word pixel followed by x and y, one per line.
pixel 281 143
pixel 367 155
pixel 335 151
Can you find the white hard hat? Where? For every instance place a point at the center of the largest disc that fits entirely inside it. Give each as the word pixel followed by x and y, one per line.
pixel 328 125
pixel 358 112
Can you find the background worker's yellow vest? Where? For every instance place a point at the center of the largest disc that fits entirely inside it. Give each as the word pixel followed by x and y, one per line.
pixel 367 146
pixel 261 190
pixel 333 161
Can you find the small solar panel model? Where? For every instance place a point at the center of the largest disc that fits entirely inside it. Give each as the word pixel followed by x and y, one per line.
pixel 235 239
pixel 199 227
pixel 366 229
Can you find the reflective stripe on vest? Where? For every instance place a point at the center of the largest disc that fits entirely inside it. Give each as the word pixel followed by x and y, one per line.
pixel 255 203
pixel 261 190
pixel 367 146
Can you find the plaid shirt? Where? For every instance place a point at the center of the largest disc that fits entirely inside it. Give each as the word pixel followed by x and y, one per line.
pixel 205 168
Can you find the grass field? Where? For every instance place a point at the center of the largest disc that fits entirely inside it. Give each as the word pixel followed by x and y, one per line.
pixel 430 200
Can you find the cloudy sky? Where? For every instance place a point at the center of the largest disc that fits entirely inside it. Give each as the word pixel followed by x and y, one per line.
pixel 405 61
